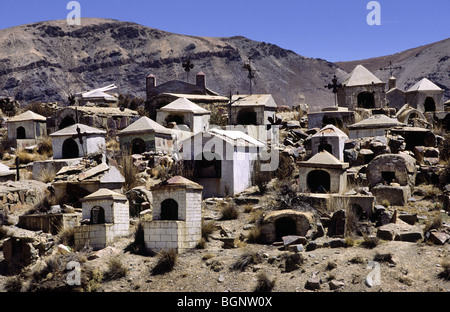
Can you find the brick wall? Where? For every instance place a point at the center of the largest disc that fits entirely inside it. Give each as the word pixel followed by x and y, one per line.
pixel 97 236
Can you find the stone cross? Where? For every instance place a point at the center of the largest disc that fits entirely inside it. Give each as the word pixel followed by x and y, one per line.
pixel 334 86
pixel 187 65
pixel 391 68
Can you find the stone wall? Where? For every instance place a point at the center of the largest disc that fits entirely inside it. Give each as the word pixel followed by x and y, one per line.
pixel 97 236
pixel 49 223
pixel 180 234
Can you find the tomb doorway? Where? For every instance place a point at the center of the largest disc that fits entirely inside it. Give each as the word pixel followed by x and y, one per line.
pixel 20 133
pixel 429 105
pixel 70 149
pixel 97 215
pixel 285 226
pixel 65 122
pixel 169 209
pixel 318 181
pixel 137 146
pixel 366 100
pixel 246 117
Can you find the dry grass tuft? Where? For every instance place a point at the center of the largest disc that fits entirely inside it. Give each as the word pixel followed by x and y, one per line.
pixel 207 229
pixel 116 270
pixel 445 264
pixel 229 211
pixel 166 262
pixel 245 260
pixel 263 283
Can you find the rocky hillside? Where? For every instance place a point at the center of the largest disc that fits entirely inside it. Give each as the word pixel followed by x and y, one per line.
pixel 46 61
pixel 431 61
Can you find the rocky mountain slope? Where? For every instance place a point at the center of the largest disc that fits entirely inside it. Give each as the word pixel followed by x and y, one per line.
pixel 46 61
pixel 431 61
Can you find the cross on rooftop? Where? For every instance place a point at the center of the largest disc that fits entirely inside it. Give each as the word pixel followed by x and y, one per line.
pixel 335 86
pixel 187 65
pixel 391 68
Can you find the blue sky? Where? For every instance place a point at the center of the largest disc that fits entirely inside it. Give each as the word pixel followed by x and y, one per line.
pixel 335 30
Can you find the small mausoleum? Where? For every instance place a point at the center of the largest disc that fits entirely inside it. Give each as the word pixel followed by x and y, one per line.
pixel 27 128
pixel 362 90
pixel 254 109
pixel 145 135
pixel 78 140
pixel 105 215
pixel 330 139
pixel 177 215
pixel 184 112
pixel 322 173
pixel 425 96
pixel 391 177
pixel 222 160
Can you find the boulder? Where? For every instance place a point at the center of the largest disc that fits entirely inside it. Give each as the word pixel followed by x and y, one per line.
pixel 313 283
pixel 335 284
pixel 396 195
pixel 400 231
pixel 293 240
pixel 438 238
pixel 408 218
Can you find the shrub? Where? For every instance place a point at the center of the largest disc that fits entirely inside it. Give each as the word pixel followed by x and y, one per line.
pixel 445 264
pixel 293 261
pixel 66 236
pixel 166 262
pixel 286 167
pixel 112 144
pixel 383 258
pixel 14 284
pixel 42 109
pixel 3 232
pixel 264 284
pixel 138 244
pixel 91 281
pixel 201 244
pixel 331 265
pixel 245 260
pixel 25 157
pixel 129 171
pixel 44 205
pixel 47 175
pixel 435 224
pixel 116 270
pixel 256 216
pixel 254 236
pixel 45 147
pixel 248 208
pixel 370 242
pixel 229 211
pixel 207 229
pixel 260 178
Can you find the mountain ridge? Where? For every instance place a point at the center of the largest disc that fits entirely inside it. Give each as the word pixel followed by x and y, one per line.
pixel 47 61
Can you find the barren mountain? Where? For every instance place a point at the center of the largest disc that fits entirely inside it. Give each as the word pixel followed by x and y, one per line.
pixel 430 61
pixel 46 61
